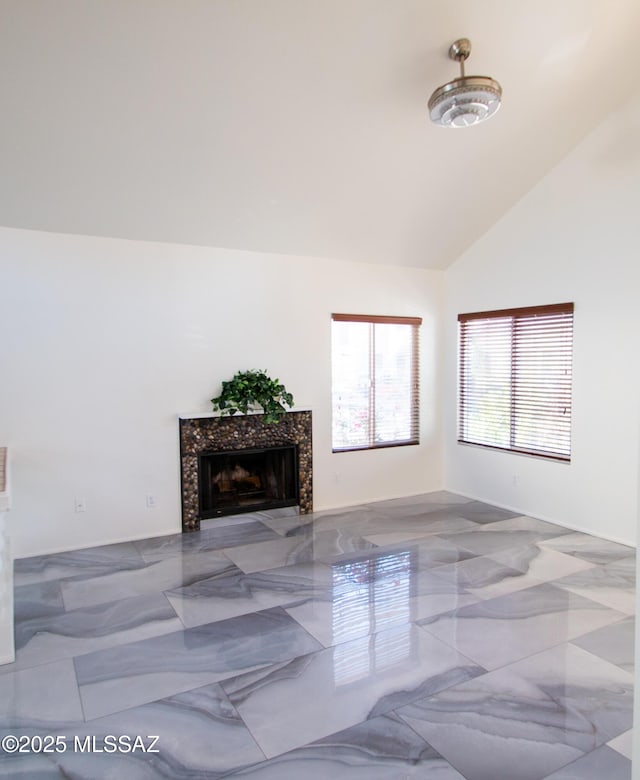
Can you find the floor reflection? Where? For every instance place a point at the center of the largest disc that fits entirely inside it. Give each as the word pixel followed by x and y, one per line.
pixel 370 595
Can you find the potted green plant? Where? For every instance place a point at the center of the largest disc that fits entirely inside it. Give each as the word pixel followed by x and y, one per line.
pixel 250 389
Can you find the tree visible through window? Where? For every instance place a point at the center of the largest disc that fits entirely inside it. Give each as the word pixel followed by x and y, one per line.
pixel 374 381
pixel 515 379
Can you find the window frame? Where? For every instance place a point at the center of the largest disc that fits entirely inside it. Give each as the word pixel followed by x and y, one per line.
pixel 376 319
pixel 526 312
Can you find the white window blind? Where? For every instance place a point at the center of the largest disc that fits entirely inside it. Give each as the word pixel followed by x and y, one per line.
pixel 515 379
pixel 374 381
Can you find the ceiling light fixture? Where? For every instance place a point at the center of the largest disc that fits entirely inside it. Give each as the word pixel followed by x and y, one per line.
pixel 466 100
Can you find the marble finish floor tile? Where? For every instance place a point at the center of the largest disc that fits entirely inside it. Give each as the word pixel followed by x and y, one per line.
pixel 612 584
pixel 77 564
pixel 220 598
pixel 540 561
pixel 401 639
pixel 533 716
pixel 600 692
pixel 146 578
pixel 40 599
pixel 415 525
pixel 425 528
pixel 480 512
pixel 44 639
pixel 289 704
pixel 382 748
pixel 199 734
pixel 543 528
pixel 428 552
pixel 614 643
pixel 436 499
pixel 623 744
pixel 305 547
pixel 364 601
pixel 504 629
pixel 481 542
pixel 486 578
pixel 262 516
pixel 39 697
pixel 354 518
pixel 589 548
pixel 210 539
pixel 600 764
pixel 125 676
pixel 503 535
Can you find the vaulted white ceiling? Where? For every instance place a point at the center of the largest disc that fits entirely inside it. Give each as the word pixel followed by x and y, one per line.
pixel 294 126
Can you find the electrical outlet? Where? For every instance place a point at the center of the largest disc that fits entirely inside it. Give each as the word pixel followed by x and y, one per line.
pixel 152 501
pixel 80 504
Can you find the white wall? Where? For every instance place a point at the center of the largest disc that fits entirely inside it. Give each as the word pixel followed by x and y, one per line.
pixel 574 237
pixel 105 341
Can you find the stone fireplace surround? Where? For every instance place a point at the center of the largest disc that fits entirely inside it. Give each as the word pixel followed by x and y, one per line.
pixel 211 431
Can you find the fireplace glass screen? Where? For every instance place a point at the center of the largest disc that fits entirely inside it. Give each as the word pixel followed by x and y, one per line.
pixel 247 480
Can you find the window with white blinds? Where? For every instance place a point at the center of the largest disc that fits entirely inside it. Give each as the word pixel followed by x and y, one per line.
pixel 374 364
pixel 515 379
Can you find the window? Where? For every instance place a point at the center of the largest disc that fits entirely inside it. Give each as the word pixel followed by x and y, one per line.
pixel 515 379
pixel 374 381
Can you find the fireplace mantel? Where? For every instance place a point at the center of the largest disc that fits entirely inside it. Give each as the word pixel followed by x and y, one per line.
pixel 207 415
pixel 211 431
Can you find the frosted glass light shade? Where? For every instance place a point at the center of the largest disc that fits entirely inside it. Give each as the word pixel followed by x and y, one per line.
pixel 465 101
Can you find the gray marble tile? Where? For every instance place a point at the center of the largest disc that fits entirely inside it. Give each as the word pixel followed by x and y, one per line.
pixel 220 598
pixel 599 764
pixel 589 548
pixel 382 748
pixel 210 539
pixel 491 538
pixel 76 564
pixel 289 704
pixel 146 578
pixel 480 512
pixel 533 716
pixel 614 643
pixel 200 735
pixel 41 599
pixel 612 584
pixel 623 744
pixel 424 528
pixel 373 595
pixel 263 516
pixel 44 639
pixel 126 676
pixel 437 499
pixel 598 691
pixel 290 525
pixel 416 524
pixel 504 629
pixel 307 546
pixel 486 578
pixel 34 766
pixel 39 697
pixel 540 561
pixel 623 569
pixel 499 723
pixel 543 528
pixel 547 708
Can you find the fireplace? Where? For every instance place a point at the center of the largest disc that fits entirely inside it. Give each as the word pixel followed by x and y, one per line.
pixel 240 463
pixel 237 481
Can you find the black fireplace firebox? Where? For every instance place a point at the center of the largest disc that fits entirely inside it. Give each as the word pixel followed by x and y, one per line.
pixel 247 480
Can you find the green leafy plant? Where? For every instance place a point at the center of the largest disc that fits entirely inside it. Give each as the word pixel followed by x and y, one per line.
pixel 249 389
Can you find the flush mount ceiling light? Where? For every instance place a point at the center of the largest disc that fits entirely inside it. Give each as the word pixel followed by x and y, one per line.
pixel 466 100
